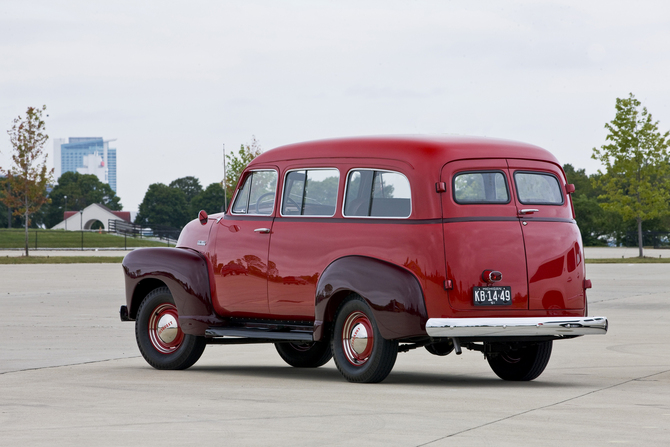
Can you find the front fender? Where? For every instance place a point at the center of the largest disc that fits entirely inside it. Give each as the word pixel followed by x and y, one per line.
pixel 185 272
pixel 393 293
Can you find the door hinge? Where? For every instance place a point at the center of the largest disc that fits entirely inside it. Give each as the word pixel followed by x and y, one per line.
pixel 448 284
pixel 441 187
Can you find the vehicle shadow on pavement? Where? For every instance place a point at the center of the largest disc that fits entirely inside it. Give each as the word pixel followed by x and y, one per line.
pixel 271 372
pixel 330 374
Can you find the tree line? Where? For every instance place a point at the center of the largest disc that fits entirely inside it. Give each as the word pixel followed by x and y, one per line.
pixel 613 206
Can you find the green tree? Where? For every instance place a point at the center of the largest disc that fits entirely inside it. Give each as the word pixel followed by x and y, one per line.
pixel 235 164
pixel 582 181
pixel 636 183
pixel 27 179
pixel 210 200
pixel 163 206
pixel 75 192
pixel 190 185
pixel 7 217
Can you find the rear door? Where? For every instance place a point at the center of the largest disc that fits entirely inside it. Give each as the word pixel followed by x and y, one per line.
pixel 482 232
pixel 553 244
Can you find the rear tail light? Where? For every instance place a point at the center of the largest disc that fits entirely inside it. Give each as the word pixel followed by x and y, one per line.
pixel 491 276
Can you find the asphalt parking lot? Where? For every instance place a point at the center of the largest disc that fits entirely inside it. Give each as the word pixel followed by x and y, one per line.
pixel 71 374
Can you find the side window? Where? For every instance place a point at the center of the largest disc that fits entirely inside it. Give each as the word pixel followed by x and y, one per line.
pixel 535 188
pixel 257 195
pixel 480 187
pixel 373 193
pixel 310 192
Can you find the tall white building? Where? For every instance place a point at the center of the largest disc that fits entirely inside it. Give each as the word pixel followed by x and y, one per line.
pixel 86 156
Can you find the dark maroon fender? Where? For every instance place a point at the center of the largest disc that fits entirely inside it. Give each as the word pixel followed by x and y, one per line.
pixel 185 272
pixel 393 293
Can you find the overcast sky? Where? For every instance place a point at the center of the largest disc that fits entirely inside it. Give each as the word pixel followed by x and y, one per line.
pixel 174 81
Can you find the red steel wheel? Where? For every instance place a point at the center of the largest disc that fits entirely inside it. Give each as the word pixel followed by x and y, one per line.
pixel 358 338
pixel 164 331
pixel 360 352
pixel 162 342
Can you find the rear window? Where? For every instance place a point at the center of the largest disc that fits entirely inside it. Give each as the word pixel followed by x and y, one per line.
pixel 480 187
pixel 535 188
pixel 372 193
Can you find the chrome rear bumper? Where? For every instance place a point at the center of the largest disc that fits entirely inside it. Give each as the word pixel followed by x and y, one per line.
pixel 513 327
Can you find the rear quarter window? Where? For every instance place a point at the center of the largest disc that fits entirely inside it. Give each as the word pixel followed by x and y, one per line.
pixel 377 193
pixel 536 188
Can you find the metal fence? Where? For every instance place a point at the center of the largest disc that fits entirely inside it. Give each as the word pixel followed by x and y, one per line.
pixel 116 237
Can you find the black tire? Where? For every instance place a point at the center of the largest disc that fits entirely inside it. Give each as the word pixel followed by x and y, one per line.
pixel 164 345
pixel 305 355
pixel 366 361
pixel 523 364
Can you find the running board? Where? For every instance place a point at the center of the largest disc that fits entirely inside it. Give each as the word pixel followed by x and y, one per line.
pixel 262 334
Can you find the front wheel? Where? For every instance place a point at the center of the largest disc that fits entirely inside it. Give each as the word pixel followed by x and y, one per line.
pixel 161 341
pixel 521 364
pixel 360 352
pixel 305 355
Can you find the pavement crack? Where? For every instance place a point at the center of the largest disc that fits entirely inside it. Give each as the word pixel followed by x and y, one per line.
pixel 69 364
pixel 511 416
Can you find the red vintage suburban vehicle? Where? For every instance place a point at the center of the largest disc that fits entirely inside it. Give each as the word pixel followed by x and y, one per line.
pixel 361 248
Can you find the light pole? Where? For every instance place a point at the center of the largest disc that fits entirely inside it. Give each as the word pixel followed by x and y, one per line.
pixel 81 225
pixel 64 212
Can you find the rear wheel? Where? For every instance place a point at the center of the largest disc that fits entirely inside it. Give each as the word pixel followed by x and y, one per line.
pixel 305 355
pixel 360 352
pixel 521 364
pixel 161 341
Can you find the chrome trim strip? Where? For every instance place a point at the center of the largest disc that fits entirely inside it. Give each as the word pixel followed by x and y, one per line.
pixel 513 327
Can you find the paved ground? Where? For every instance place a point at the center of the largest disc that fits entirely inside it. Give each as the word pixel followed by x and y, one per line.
pixel 68 252
pixel 70 375
pixel 624 252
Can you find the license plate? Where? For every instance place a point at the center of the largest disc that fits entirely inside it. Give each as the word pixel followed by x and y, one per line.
pixel 492 296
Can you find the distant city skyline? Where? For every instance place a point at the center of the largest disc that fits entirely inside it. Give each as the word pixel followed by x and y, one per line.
pixel 86 155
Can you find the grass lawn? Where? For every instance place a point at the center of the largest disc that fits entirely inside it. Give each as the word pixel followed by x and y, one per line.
pixel 61 260
pixel 15 238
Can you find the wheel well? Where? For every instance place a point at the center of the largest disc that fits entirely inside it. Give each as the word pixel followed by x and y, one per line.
pixel 334 304
pixel 141 290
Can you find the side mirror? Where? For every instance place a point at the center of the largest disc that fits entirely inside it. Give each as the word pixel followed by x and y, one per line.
pixel 570 188
pixel 203 217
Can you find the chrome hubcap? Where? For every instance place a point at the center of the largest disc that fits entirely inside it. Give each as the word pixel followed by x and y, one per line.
pixel 164 331
pixel 168 329
pixel 357 338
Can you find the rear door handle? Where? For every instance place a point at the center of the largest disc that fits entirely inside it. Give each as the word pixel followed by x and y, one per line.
pixel 528 211
pixel 262 230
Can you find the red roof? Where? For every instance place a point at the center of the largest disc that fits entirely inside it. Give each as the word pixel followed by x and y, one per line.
pixel 123 215
pixel 416 150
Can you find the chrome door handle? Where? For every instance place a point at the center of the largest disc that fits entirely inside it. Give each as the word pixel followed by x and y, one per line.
pixel 262 230
pixel 529 211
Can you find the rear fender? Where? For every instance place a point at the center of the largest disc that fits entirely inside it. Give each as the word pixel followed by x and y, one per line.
pixel 185 272
pixel 393 293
